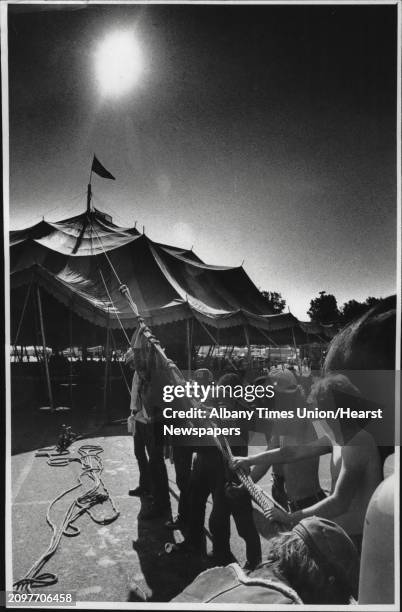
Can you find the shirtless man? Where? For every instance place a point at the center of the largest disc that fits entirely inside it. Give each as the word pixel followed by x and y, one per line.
pixel 355 463
pixel 300 480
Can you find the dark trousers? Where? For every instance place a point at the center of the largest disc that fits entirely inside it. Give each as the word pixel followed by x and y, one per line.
pixel 148 449
pixel 209 477
pixel 182 459
pixel 279 494
pixel 242 512
pixel 278 490
pixel 306 502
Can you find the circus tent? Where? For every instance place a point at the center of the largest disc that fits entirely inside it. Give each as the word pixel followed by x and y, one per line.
pixel 80 264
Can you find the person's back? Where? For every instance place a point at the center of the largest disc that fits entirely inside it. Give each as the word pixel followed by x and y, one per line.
pixel 362 452
pixel 230 585
pixel 314 563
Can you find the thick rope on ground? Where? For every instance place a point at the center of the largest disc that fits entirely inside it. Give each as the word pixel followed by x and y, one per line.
pixel 96 493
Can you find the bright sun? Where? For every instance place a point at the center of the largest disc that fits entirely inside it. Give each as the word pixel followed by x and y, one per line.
pixel 118 63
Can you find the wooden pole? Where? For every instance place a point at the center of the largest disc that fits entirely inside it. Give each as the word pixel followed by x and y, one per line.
pixel 210 350
pixel 42 329
pixel 17 335
pixel 246 334
pixel 107 363
pixel 71 354
pixel 249 364
pixel 295 345
pixel 188 338
pixel 37 355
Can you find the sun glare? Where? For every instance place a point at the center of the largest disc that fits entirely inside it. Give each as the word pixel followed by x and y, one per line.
pixel 118 63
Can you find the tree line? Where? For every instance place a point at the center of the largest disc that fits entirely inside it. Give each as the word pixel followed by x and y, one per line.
pixel 324 308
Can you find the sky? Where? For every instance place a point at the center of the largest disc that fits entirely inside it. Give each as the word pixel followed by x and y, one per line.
pixel 264 134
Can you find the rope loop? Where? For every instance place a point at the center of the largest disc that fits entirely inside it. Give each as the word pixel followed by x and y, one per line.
pixel 71 531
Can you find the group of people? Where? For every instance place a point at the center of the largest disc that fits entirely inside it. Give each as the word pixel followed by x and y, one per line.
pixel 314 558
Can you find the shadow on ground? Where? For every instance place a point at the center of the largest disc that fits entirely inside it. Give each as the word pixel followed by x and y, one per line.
pixel 32 428
pixel 165 574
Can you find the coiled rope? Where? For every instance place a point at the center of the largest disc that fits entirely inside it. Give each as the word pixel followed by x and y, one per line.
pixel 96 493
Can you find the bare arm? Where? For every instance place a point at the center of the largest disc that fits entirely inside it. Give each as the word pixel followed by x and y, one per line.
pixel 354 461
pixel 286 454
pixel 353 465
pixel 258 471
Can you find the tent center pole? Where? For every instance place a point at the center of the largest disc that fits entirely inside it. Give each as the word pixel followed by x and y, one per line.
pixel 71 354
pixel 189 348
pixel 246 334
pixel 107 364
pixel 298 360
pixel 42 329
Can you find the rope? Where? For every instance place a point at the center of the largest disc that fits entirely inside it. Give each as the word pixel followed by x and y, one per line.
pixel 114 307
pixel 111 301
pixel 207 330
pixel 106 255
pixel 122 287
pixel 97 493
pixel 23 313
pixel 267 337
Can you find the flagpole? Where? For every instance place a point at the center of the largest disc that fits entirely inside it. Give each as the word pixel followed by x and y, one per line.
pixel 89 194
pixel 89 191
pixel 101 171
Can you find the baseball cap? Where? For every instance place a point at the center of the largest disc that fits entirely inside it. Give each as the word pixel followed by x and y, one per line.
pixel 331 547
pixel 284 381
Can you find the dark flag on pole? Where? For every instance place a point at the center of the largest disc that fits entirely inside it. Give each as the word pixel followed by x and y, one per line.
pixel 101 170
